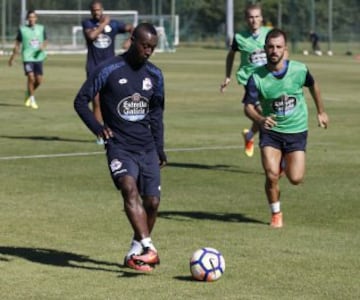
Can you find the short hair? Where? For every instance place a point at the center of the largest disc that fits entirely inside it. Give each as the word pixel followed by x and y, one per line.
pixel 92 3
pixel 252 7
pixel 148 27
pixel 29 12
pixel 274 33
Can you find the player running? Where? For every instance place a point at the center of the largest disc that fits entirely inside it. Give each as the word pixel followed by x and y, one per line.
pixel 284 120
pixel 250 44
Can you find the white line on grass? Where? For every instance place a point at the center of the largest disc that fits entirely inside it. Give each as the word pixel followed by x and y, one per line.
pixel 102 152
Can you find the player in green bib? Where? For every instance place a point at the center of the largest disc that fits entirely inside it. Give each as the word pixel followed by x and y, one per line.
pixel 283 122
pixel 33 41
pixel 250 44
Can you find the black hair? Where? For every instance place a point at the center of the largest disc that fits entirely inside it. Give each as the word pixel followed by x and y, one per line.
pixel 29 12
pixel 148 27
pixel 274 33
pixel 92 3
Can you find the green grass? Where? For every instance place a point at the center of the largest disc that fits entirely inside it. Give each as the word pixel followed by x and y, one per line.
pixel 63 233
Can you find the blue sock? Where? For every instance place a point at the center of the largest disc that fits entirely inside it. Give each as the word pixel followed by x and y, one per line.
pixel 249 135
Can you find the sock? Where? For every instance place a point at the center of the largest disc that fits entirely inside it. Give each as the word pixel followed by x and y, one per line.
pixel 249 135
pixel 32 98
pixel 135 248
pixel 147 243
pixel 275 207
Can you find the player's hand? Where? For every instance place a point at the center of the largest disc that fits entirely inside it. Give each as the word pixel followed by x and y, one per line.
pixel 104 20
pixel 224 84
pixel 106 134
pixel 268 122
pixel 323 120
pixel 162 158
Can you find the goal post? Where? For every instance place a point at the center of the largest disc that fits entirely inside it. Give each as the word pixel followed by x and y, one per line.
pixel 65 35
pixel 64 31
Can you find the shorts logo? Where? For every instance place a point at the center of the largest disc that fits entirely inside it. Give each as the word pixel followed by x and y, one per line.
pixel 115 165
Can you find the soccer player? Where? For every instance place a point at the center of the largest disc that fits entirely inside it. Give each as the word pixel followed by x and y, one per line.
pixel 132 103
pixel 284 119
pixel 100 32
pixel 250 44
pixel 33 41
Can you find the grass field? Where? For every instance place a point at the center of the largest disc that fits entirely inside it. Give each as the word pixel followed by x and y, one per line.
pixel 63 233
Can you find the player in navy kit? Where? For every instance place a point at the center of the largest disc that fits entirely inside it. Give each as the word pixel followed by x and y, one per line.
pixel 100 32
pixel 131 93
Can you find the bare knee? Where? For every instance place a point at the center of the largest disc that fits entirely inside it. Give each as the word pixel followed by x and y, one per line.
pixel 296 180
pixel 151 203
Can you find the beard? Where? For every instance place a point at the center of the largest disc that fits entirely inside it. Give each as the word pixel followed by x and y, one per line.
pixel 274 59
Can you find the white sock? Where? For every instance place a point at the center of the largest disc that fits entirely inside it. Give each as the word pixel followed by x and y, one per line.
pixel 147 243
pixel 275 207
pixel 32 98
pixel 135 248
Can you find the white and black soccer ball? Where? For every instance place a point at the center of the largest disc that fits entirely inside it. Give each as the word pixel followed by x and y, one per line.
pixel 207 264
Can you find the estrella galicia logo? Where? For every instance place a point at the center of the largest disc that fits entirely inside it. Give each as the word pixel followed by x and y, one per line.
pixel 133 108
pixel 102 41
pixel 284 105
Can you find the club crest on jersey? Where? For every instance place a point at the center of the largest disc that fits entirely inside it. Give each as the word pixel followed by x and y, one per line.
pixel 133 108
pixel 146 84
pixel 107 28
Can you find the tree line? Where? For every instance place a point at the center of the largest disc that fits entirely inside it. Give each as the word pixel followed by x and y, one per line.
pixel 204 19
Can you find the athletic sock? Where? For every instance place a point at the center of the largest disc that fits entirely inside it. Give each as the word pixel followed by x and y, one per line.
pixel 275 207
pixel 249 135
pixel 147 243
pixel 136 248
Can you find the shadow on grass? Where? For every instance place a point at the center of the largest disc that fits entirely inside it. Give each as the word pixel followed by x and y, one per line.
pixel 64 259
pixel 12 105
pixel 225 168
pixel 186 215
pixel 46 138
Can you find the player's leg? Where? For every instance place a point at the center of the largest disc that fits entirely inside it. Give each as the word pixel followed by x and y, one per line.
pixel 294 149
pixel 295 170
pixel 149 186
pixel 31 90
pixel 248 135
pixel 133 207
pixel 271 158
pixel 138 219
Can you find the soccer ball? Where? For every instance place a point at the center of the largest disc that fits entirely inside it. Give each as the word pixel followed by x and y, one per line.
pixel 207 264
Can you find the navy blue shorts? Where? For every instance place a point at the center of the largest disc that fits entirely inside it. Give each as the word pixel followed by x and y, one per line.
pixel 286 142
pixel 143 166
pixel 35 67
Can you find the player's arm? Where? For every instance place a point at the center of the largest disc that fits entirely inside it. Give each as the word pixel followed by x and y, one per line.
pixel 81 105
pixel 157 106
pixel 228 69
pixel 128 28
pixel 314 89
pixel 44 44
pixel 251 106
pixel 16 48
pixel 92 33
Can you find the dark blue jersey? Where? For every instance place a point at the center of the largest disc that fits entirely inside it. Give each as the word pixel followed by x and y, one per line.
pixel 103 46
pixel 132 103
